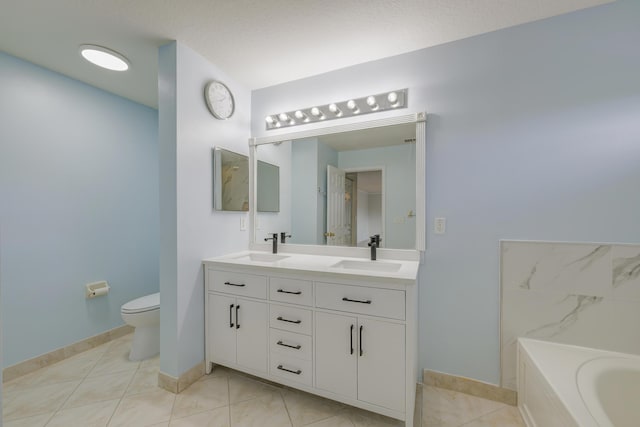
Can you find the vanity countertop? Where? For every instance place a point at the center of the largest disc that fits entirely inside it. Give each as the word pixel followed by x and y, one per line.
pixel 398 270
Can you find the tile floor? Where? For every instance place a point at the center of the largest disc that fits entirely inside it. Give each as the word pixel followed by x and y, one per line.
pixel 100 387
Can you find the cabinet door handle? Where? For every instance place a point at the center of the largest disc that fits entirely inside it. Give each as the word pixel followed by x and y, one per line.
pixel 235 284
pixel 286 320
pixel 351 341
pixel 356 300
pixel 361 349
pixel 295 347
pixel 237 318
pixel 282 291
pixel 231 316
pixel 297 372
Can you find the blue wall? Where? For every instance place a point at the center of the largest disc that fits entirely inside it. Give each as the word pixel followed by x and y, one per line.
pixel 78 203
pixel 533 133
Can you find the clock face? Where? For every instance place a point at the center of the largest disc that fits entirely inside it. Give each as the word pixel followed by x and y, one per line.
pixel 219 100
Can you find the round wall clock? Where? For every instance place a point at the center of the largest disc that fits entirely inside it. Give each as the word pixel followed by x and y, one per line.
pixel 219 100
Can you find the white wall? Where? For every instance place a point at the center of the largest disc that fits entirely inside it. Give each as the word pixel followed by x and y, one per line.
pixel 363 216
pixel 190 229
pixel 532 133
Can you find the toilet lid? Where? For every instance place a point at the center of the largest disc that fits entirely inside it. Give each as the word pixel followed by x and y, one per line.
pixel 145 303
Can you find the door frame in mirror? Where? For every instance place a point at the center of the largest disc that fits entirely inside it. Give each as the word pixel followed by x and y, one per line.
pixel 418 118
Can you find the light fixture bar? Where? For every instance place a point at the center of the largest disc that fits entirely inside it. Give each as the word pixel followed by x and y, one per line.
pixel 386 101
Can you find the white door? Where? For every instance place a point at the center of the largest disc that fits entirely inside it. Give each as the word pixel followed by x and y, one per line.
pixel 338 231
pixel 222 328
pixel 252 322
pixel 381 363
pixel 336 354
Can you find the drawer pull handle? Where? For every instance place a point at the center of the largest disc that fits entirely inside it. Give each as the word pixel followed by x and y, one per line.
pixel 282 291
pixel 290 321
pixel 234 284
pixel 295 347
pixel 361 349
pixel 352 339
pixel 298 372
pixel 231 316
pixel 237 318
pixel 356 300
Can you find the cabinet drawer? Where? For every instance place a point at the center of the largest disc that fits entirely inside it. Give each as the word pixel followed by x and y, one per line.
pixel 290 319
pixel 291 290
pixel 291 368
pixel 361 299
pixel 248 285
pixel 290 344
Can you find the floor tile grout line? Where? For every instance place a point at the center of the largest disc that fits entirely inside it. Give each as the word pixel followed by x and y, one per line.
pixel 286 408
pixel 484 415
pixel 229 399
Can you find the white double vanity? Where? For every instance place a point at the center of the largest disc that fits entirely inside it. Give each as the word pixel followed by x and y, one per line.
pixel 342 328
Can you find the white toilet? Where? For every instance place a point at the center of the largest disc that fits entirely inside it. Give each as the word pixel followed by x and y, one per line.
pixel 144 315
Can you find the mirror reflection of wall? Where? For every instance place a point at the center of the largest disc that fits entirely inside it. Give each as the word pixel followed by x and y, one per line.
pixel 230 181
pixel 268 188
pixel 364 206
pixel 359 211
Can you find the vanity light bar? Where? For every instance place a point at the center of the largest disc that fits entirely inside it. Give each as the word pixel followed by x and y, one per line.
pixel 337 110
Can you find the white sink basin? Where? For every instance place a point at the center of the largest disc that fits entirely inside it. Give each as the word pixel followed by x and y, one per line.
pixel 368 265
pixel 260 257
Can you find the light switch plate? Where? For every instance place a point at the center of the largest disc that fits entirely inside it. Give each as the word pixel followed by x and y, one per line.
pixel 243 223
pixel 439 225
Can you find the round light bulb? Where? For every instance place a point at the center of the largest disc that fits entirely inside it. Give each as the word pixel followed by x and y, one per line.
pixel 333 108
pixel 269 120
pixel 351 104
pixel 283 117
pixel 315 111
pixel 392 98
pixel 299 114
pixel 371 101
pixel 103 57
pixel 278 124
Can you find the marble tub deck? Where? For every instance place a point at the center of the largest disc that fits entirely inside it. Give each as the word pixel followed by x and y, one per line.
pixel 101 387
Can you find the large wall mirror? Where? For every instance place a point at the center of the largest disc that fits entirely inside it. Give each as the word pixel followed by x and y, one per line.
pixel 340 185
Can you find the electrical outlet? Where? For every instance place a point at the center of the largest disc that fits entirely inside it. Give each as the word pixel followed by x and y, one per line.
pixel 439 225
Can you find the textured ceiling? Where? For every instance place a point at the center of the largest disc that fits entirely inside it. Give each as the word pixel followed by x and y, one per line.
pixel 258 42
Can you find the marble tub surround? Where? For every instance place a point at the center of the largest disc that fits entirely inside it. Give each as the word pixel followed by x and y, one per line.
pixel 586 294
pixel 326 264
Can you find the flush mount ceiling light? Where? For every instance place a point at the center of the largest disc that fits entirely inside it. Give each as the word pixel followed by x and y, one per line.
pixel 103 57
pixel 356 106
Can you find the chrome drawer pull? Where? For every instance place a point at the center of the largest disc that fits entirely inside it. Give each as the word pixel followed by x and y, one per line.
pixel 295 347
pixel 282 291
pixel 298 372
pixel 290 321
pixel 356 300
pixel 234 284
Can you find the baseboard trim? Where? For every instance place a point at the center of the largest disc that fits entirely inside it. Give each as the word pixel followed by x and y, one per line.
pixel 177 385
pixel 470 386
pixel 19 369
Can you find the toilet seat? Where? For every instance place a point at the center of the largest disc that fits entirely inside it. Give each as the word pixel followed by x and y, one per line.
pixel 142 304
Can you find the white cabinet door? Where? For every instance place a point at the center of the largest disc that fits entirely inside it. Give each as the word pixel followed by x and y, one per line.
pixel 336 354
pixel 381 363
pixel 252 323
pixel 222 328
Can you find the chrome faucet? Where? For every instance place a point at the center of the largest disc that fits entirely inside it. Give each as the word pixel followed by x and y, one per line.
pixel 283 236
pixel 274 238
pixel 374 244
